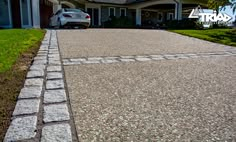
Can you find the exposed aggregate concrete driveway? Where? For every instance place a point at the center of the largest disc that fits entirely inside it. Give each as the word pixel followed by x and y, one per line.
pixel 167 100
pixel 112 42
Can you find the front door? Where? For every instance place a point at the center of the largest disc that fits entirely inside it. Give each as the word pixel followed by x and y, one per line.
pixel 94 14
pixel 25 8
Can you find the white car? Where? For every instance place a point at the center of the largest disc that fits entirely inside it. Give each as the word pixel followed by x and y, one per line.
pixel 70 17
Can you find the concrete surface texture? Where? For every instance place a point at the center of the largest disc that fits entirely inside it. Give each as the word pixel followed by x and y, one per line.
pixel 179 100
pixel 168 99
pixel 113 42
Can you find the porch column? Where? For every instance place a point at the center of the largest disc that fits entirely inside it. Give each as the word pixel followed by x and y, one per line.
pixel 176 11
pixel 36 13
pixel 180 10
pixel 138 17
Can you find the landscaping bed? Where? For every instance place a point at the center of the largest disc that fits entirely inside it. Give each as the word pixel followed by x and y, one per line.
pixel 223 36
pixel 17 49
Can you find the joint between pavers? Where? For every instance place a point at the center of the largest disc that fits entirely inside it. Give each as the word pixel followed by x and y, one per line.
pixel 55 103
pixel 143 58
pixel 23 115
pixel 57 122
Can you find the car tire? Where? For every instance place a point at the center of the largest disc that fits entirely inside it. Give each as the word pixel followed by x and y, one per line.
pixel 84 27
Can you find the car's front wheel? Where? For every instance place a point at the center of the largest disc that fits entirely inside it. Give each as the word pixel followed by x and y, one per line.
pixel 84 27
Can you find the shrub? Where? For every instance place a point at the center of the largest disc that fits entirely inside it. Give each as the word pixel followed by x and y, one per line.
pixel 118 22
pixel 183 24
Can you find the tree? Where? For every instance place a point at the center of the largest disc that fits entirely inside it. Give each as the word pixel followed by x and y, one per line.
pixel 216 4
pixel 233 5
pixel 220 4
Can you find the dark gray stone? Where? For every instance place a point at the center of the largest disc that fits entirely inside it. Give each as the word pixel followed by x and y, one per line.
pixel 91 62
pixel 38 67
pixel 54 68
pixel 57 133
pixel 35 74
pixel 54 96
pixel 34 82
pixel 108 61
pixel 127 60
pixel 41 62
pixel 78 60
pixel 21 129
pixel 94 58
pixel 54 84
pixel 157 58
pixel 55 113
pixel 71 63
pixel 26 107
pixel 142 59
pixel 30 92
pixel 54 62
pixel 54 75
pixel 127 57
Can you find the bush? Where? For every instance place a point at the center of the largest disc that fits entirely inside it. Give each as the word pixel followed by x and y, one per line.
pixel 184 24
pixel 219 26
pixel 118 22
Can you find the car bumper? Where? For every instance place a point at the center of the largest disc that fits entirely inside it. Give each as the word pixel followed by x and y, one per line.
pixel 74 22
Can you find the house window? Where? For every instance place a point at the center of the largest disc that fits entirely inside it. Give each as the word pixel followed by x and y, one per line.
pixel 112 11
pixel 5 13
pixel 122 12
pixel 170 16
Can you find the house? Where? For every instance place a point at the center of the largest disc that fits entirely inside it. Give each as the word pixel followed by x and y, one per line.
pixel 36 13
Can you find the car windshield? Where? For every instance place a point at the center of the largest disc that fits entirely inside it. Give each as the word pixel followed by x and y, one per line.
pixel 72 10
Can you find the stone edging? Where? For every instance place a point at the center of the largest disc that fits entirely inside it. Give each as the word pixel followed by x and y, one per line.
pixel 142 58
pixel 41 112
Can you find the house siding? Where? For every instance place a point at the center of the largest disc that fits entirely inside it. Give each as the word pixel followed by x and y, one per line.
pixel 105 12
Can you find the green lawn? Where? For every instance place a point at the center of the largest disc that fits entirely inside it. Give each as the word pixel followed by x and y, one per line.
pixel 17 49
pixel 223 36
pixel 14 42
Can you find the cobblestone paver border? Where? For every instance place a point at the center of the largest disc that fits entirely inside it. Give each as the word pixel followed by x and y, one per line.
pixel 143 58
pixel 42 112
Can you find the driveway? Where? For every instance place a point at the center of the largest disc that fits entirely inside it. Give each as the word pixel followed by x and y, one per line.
pixel 149 85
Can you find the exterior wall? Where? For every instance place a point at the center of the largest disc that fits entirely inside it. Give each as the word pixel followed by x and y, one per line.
pixel 18 13
pixel 36 13
pixel 105 12
pixel 5 20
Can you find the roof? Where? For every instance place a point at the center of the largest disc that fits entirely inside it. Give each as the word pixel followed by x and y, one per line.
pixel 124 2
pixel 116 1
